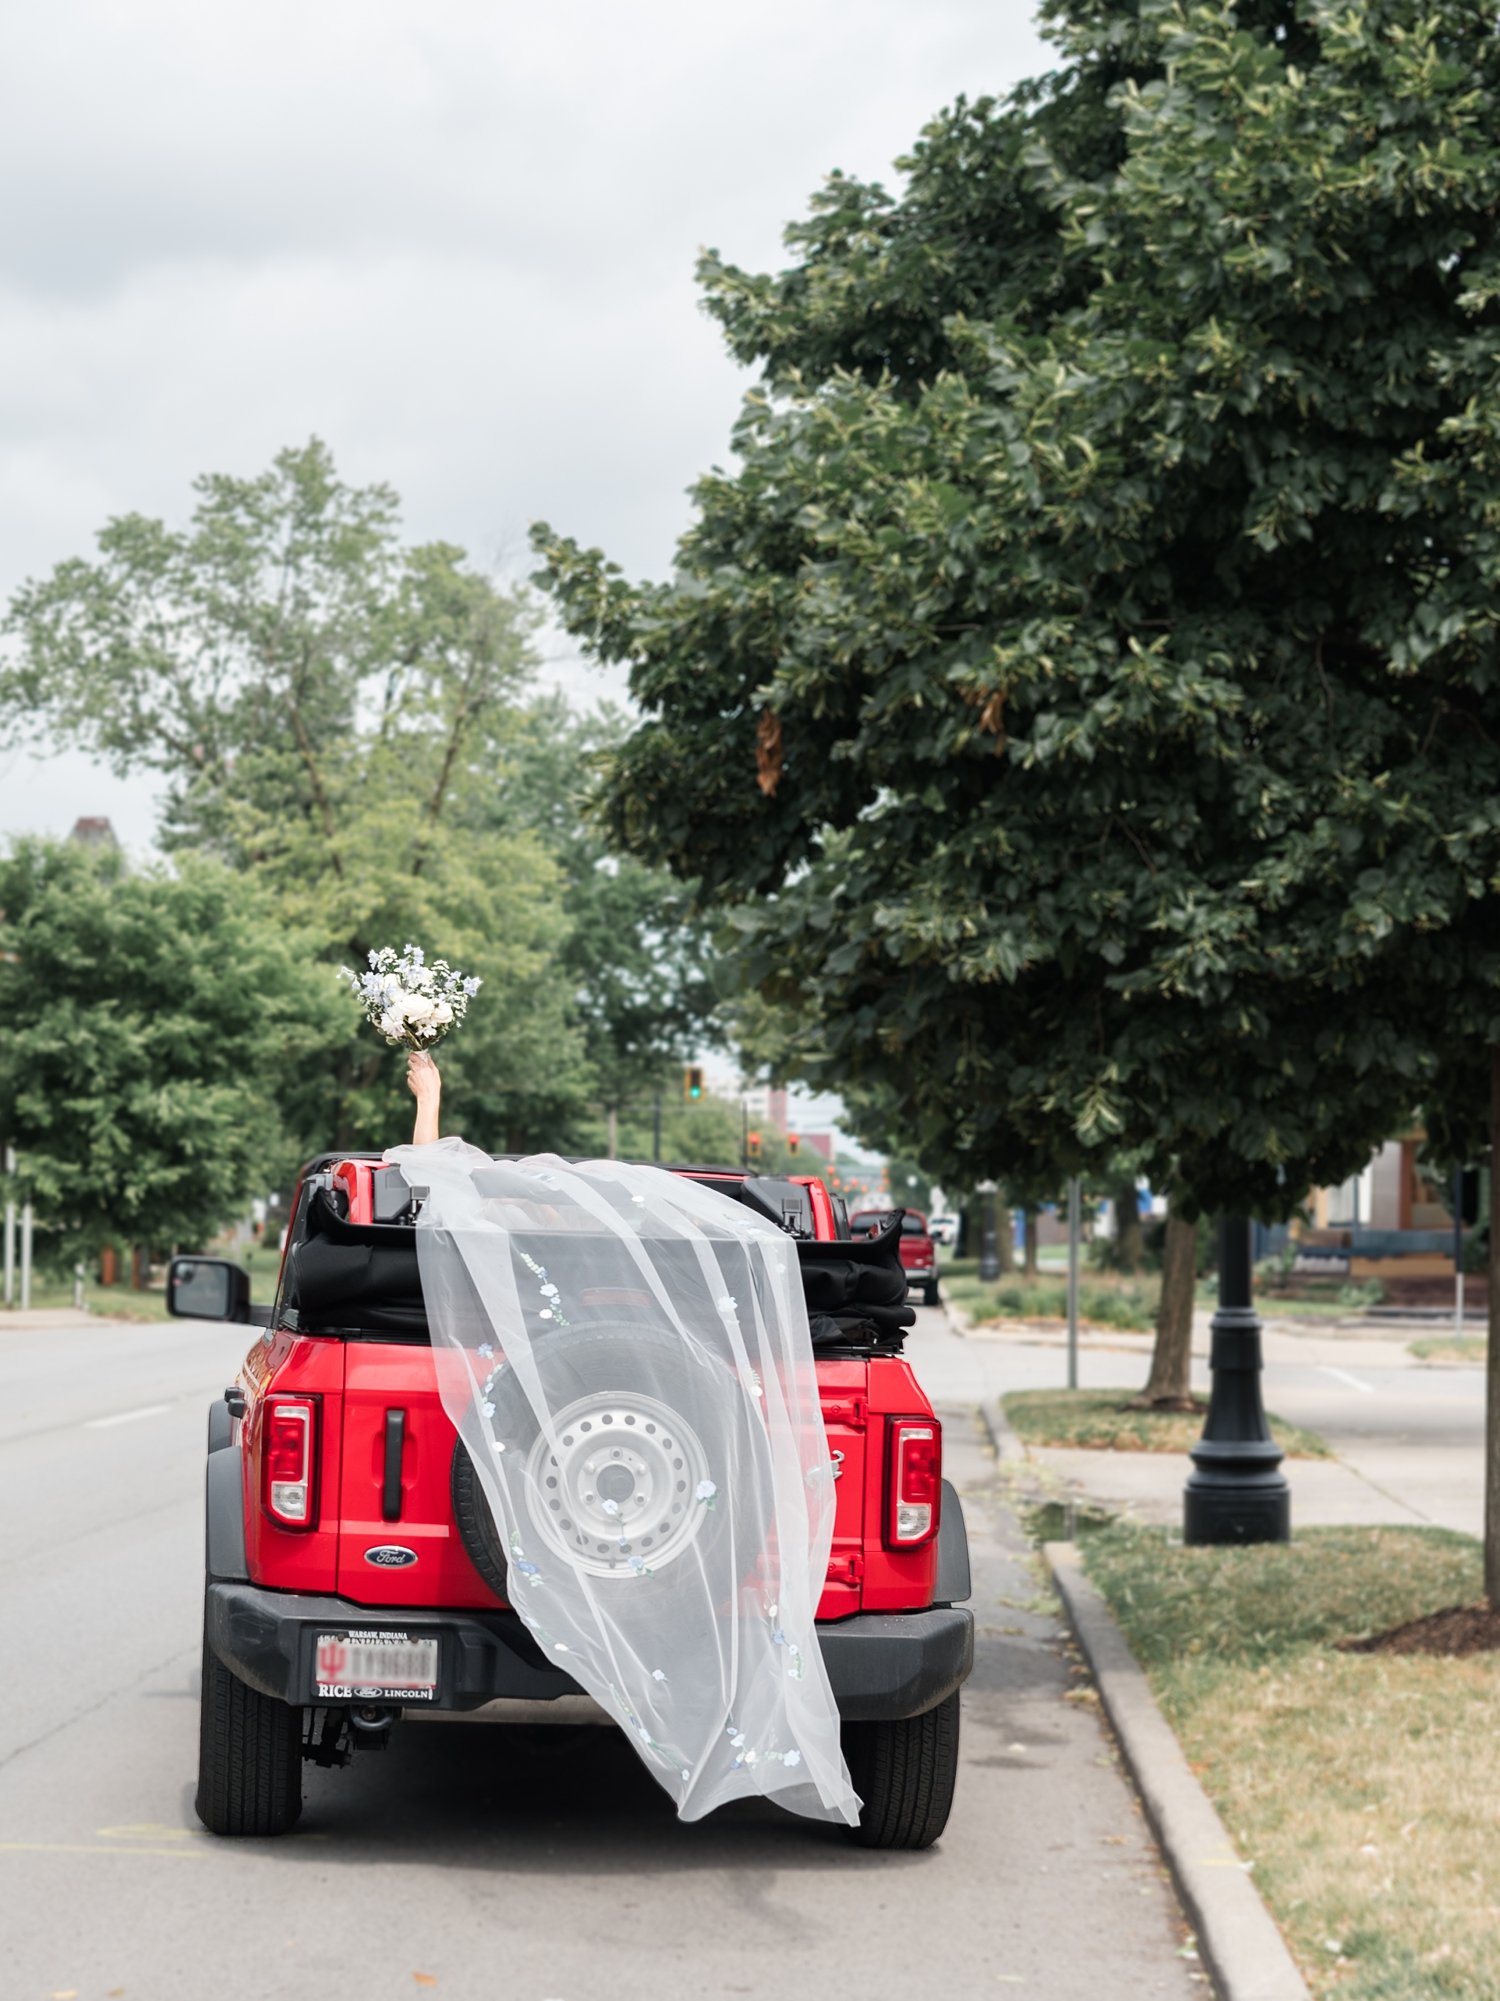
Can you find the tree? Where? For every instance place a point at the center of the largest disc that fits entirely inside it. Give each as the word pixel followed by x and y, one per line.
pixel 330 709
pixel 1044 696
pixel 636 958
pixel 150 1021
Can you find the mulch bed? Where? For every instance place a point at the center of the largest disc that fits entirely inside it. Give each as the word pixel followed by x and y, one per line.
pixel 1457 1629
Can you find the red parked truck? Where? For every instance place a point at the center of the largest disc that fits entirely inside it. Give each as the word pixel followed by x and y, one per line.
pixel 918 1249
pixel 354 1572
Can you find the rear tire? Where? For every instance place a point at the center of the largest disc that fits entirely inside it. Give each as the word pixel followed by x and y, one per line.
pixel 930 1295
pixel 904 1772
pixel 249 1756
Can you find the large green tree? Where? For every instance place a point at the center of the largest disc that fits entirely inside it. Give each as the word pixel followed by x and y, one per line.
pixel 330 709
pixel 1047 693
pixel 150 1018
pixel 1083 695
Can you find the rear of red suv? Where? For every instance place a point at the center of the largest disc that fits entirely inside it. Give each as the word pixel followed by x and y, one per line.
pixel 354 1569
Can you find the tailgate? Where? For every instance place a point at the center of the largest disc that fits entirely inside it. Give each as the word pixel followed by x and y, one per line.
pixel 397 1541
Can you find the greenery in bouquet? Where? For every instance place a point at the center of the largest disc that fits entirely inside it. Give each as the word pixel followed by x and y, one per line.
pixel 412 1004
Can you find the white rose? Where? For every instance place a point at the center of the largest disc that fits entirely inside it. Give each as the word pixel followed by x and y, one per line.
pixel 417 1008
pixel 441 1013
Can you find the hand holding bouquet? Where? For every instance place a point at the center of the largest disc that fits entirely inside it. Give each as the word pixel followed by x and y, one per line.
pixel 413 1005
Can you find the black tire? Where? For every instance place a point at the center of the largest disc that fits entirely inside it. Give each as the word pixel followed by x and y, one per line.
pixel 904 1772
pixel 476 1525
pixel 249 1756
pixel 930 1294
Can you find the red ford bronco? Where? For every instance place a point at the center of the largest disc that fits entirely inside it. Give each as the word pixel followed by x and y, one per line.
pixel 354 1568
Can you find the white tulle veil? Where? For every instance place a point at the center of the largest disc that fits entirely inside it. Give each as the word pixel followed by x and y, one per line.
pixel 625 1355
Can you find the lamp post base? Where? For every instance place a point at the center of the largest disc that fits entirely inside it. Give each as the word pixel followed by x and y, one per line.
pixel 1251 1509
pixel 1236 1491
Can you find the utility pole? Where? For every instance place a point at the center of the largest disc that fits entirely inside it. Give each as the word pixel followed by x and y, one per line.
pixel 1236 1491
pixel 10 1228
pixel 1075 1224
pixel 26 1257
pixel 1458 1254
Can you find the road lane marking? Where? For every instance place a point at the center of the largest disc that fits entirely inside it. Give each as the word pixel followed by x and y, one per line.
pixel 85 1848
pixel 125 1416
pixel 1344 1376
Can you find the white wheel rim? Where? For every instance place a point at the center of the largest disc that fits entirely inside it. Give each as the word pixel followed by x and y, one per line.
pixel 622 1493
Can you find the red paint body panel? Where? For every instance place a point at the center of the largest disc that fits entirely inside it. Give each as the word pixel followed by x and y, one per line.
pixel 845 1400
pixel 353 1176
pixel 294 1364
pixel 895 1580
pixel 380 1376
pixel 824 1227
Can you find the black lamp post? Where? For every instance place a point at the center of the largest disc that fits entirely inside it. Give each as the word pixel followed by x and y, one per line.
pixel 1236 1491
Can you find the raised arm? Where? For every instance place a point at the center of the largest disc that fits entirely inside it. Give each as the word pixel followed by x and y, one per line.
pixel 425 1083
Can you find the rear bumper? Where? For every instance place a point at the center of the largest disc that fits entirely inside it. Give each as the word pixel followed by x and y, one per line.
pixel 882 1665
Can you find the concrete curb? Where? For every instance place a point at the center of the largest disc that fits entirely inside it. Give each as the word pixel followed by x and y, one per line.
pixel 1241 1946
pixel 1009 1450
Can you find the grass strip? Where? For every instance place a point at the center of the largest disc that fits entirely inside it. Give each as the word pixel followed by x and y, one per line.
pixel 1096 1421
pixel 1364 1788
pixel 1128 1303
pixel 1470 1348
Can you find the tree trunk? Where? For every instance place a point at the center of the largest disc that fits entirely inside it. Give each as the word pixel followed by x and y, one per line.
pixel 1130 1242
pixel 1031 1243
pixel 1492 1364
pixel 1170 1384
pixel 1005 1236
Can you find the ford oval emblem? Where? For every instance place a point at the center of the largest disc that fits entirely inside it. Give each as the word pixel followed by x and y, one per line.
pixel 390 1556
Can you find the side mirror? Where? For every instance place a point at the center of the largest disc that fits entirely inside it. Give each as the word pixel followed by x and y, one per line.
pixel 208 1289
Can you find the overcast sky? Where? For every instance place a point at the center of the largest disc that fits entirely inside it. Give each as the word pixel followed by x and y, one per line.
pixel 455 239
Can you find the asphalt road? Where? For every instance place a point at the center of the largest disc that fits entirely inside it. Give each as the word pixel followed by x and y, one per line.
pixel 470 1861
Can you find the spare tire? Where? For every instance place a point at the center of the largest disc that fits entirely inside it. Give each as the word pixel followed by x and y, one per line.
pixel 657 1457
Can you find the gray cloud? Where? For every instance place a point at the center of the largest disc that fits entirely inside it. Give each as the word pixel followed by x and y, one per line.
pixel 454 239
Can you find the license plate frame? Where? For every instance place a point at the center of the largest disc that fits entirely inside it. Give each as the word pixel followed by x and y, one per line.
pixel 377 1664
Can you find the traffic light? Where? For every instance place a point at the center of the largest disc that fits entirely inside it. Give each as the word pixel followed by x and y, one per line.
pixel 692 1082
pixel 792 1144
pixel 752 1145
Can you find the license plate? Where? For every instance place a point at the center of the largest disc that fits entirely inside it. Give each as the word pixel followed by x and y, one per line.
pixel 359 1666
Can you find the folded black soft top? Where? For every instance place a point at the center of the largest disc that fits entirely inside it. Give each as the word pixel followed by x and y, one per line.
pixel 363 1279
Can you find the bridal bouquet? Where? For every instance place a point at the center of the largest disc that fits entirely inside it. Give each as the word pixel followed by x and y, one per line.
pixel 413 1005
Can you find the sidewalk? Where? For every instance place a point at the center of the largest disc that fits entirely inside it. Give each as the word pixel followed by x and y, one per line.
pixel 1078 1902
pixel 1408 1435
pixel 1325 1492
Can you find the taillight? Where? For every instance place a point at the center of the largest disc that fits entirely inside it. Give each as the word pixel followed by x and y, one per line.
pixel 913 1482
pixel 289 1455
